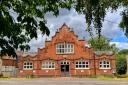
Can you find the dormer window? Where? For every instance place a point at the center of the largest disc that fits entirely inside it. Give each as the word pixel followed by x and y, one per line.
pixel 64 48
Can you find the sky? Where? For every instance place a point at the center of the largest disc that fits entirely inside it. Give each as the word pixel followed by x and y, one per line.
pixel 77 23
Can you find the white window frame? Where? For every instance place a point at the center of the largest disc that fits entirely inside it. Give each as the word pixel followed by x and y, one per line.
pixel 104 64
pixel 64 62
pixel 48 65
pixel 64 48
pixel 28 65
pixel 82 64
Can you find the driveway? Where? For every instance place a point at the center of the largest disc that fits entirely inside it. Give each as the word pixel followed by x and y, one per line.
pixel 61 81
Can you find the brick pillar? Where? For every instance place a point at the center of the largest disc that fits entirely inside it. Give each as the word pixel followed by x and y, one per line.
pixel 127 63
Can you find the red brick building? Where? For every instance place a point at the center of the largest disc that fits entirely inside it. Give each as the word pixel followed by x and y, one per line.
pixel 66 55
pixel 8 66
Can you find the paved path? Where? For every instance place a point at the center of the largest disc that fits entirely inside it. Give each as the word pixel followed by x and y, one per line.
pixel 62 81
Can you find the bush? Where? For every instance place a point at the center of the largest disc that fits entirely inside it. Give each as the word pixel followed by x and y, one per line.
pixel 121 64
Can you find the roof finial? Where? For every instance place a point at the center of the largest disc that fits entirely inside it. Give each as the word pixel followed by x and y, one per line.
pixel 64 24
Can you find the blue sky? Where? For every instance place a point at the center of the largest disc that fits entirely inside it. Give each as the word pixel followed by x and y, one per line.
pixel 77 22
pixel 120 39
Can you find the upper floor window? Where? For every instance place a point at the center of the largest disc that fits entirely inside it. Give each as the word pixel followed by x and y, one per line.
pixel 28 65
pixel 104 64
pixel 48 65
pixel 82 64
pixel 64 48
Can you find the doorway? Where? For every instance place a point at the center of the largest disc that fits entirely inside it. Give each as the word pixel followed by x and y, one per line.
pixel 65 68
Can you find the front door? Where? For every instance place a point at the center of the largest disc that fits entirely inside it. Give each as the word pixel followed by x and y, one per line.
pixel 64 69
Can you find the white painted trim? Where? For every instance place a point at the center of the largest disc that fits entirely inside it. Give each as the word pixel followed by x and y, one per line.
pixel 27 68
pixel 82 68
pixel 47 68
pixel 105 68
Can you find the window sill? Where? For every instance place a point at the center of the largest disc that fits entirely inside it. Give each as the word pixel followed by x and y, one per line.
pixel 82 68
pixel 27 69
pixel 105 68
pixel 64 53
pixel 47 68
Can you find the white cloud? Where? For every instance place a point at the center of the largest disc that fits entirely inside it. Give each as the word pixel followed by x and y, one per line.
pixel 78 23
pixel 121 45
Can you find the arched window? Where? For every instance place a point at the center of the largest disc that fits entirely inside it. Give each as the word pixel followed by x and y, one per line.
pixel 64 48
pixel 82 64
pixel 48 65
pixel 104 64
pixel 28 65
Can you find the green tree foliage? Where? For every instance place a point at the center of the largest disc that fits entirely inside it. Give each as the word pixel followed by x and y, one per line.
pixel 124 21
pixel 102 44
pixel 17 33
pixel 124 51
pixel 95 11
pixel 121 64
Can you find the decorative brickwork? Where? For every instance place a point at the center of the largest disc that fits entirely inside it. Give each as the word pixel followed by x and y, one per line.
pixel 66 55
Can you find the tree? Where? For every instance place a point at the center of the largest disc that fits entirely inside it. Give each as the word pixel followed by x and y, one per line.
pixel 95 11
pixel 121 63
pixel 16 33
pixel 124 51
pixel 124 21
pixel 102 44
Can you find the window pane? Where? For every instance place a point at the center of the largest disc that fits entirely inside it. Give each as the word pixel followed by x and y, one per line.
pixel 53 63
pixel 76 66
pixel 49 66
pixel 107 62
pixel 27 66
pixel 64 62
pixel 68 50
pixel 61 62
pixel 80 66
pixel 100 65
pixel 87 66
pixel 68 45
pixel 71 46
pixel 30 63
pixel 83 66
pixel 83 62
pixel 24 66
pixel 108 66
pixel 52 66
pixel 104 66
pixel 71 50
pixel 30 66
pixel 87 62
pixel 76 62
pixel 104 62
pixel 24 63
pixel 27 63
pixel 62 46
pixel 67 62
